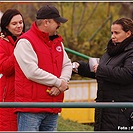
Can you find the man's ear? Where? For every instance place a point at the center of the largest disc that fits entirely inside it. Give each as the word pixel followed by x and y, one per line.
pixel 46 21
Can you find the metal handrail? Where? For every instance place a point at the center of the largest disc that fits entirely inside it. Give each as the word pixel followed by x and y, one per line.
pixel 66 104
pixel 77 53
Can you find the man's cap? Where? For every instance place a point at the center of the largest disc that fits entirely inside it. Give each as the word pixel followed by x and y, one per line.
pixel 50 12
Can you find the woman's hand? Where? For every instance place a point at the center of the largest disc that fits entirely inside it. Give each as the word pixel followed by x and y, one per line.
pixel 95 68
pixel 75 66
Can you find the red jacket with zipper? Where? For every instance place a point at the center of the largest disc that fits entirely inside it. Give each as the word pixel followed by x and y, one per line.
pixel 8 120
pixel 50 59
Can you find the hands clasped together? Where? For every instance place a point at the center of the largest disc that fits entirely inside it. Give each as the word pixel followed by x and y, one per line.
pixel 54 91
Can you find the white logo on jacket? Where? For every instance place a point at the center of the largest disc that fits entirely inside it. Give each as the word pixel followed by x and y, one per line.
pixel 1 75
pixel 59 49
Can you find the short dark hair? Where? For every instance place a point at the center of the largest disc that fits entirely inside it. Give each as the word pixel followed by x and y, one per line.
pixel 6 18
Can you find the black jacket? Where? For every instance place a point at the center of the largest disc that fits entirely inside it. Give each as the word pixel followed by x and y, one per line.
pixel 115 84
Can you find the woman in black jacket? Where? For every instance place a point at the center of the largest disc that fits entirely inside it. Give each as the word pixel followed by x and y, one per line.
pixel 114 77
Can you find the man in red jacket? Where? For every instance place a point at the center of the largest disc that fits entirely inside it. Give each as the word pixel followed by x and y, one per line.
pixel 43 71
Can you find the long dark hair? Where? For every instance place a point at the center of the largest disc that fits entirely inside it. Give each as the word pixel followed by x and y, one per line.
pixel 6 18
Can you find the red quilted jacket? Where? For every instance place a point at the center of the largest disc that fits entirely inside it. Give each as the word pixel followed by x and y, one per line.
pixel 8 120
pixel 50 59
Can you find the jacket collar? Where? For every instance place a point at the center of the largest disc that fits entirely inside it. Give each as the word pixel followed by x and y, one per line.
pixel 44 36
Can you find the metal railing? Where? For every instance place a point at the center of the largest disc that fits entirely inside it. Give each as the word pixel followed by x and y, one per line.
pixel 77 53
pixel 66 104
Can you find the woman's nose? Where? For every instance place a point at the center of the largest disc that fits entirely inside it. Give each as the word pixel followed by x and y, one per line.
pixel 18 25
pixel 112 36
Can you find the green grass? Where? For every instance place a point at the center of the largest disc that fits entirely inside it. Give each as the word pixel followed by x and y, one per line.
pixel 68 125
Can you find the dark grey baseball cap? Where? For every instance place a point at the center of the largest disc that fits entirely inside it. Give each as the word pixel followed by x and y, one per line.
pixel 50 12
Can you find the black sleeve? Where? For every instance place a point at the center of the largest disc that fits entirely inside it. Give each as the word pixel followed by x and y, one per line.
pixel 84 70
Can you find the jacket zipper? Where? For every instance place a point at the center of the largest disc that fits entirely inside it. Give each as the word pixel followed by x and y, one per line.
pixel 108 61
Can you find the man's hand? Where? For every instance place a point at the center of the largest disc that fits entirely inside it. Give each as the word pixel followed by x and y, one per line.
pixel 54 91
pixel 64 86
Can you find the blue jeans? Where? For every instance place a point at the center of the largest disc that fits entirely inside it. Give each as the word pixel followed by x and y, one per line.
pixel 37 121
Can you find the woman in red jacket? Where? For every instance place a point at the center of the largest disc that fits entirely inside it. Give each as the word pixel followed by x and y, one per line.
pixel 12 26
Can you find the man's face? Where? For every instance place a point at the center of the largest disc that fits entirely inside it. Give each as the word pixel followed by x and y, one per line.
pixel 52 27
